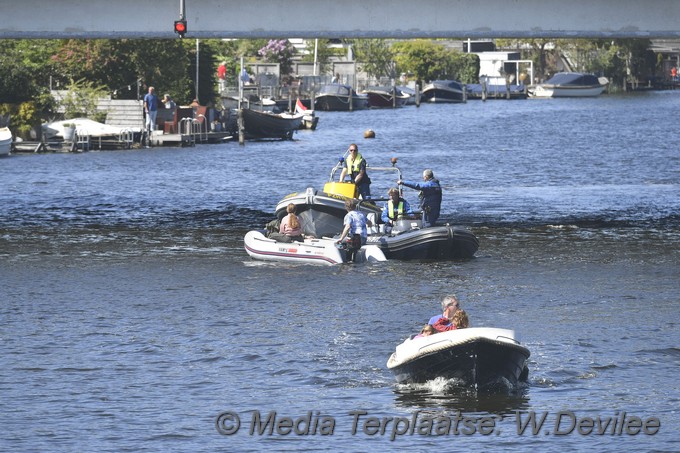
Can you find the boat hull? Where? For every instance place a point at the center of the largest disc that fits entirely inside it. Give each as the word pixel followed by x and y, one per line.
pixel 5 141
pixel 270 125
pixel 551 91
pixel 483 358
pixel 444 92
pixel 430 243
pixel 310 251
pixel 338 103
pixel 386 98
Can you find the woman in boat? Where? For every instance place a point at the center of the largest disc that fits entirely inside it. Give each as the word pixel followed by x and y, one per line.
pixel 289 228
pixel 459 320
pixel 430 196
pixel 395 208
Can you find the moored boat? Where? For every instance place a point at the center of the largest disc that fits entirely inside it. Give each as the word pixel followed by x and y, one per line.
pixel 481 357
pixel 339 97
pixel 444 91
pixel 322 251
pixel 385 97
pixel 5 141
pixel 259 124
pixel 570 84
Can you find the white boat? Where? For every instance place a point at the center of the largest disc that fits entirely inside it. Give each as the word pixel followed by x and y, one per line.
pixel 309 120
pixel 570 85
pixel 5 141
pixel 322 251
pixel 479 357
pixel 85 127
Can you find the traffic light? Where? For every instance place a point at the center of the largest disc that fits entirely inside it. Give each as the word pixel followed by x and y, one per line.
pixel 181 27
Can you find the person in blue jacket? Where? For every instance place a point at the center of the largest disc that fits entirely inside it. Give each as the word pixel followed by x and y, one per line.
pixel 395 207
pixel 430 196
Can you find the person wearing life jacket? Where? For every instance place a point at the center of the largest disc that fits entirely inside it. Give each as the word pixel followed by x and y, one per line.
pixel 430 196
pixel 395 207
pixel 356 169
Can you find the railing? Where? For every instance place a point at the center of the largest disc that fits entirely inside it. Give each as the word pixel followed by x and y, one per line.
pixel 186 129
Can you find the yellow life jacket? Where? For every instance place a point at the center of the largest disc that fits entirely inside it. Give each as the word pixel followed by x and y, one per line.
pixel 391 213
pixel 353 165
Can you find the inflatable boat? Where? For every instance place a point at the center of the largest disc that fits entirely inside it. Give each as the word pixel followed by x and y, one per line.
pixel 310 251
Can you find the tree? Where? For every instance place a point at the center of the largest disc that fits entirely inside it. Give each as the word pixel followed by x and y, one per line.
pixel 279 51
pixel 430 61
pixel 376 57
pixel 323 54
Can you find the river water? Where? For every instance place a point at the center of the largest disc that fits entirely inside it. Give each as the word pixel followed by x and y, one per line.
pixel 131 316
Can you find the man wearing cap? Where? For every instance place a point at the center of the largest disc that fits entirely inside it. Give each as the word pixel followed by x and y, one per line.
pixel 430 196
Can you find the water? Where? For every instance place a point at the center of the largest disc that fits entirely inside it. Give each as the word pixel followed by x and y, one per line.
pixel 131 316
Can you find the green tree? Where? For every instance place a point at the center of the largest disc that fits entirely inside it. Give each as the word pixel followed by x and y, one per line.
pixel 375 57
pixel 428 61
pixel 323 54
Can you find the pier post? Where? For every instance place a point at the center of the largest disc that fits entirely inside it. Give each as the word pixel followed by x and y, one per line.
pixel 239 123
pixel 483 90
pixel 417 95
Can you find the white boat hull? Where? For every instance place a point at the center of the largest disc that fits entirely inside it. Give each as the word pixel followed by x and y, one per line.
pixel 310 251
pixel 480 357
pixel 567 92
pixel 5 141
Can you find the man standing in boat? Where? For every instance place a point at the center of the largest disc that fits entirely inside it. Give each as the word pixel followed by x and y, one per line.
pixel 430 196
pixel 356 169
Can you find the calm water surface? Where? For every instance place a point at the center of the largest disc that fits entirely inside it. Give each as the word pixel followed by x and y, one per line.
pixel 131 316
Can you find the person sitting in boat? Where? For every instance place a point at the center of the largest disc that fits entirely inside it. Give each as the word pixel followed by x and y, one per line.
pixel 426 331
pixel 395 208
pixel 355 232
pixel 449 306
pixel 289 229
pixel 356 169
pixel 430 196
pixel 459 320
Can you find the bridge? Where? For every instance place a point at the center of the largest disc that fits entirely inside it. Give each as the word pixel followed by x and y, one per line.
pixel 402 19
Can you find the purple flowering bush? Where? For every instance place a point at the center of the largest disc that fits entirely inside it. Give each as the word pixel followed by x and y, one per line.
pixel 279 51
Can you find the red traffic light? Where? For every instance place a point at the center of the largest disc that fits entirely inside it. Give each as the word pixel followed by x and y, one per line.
pixel 181 27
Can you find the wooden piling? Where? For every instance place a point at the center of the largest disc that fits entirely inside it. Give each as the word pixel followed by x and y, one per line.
pixel 241 128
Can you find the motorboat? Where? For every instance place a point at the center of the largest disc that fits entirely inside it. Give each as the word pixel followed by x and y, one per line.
pixel 410 92
pixel 444 91
pixel 85 127
pixel 408 240
pixel 5 141
pixel 309 118
pixel 484 358
pixel 259 124
pixel 339 97
pixel 322 251
pixel 385 96
pixel 321 213
pixel 570 84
